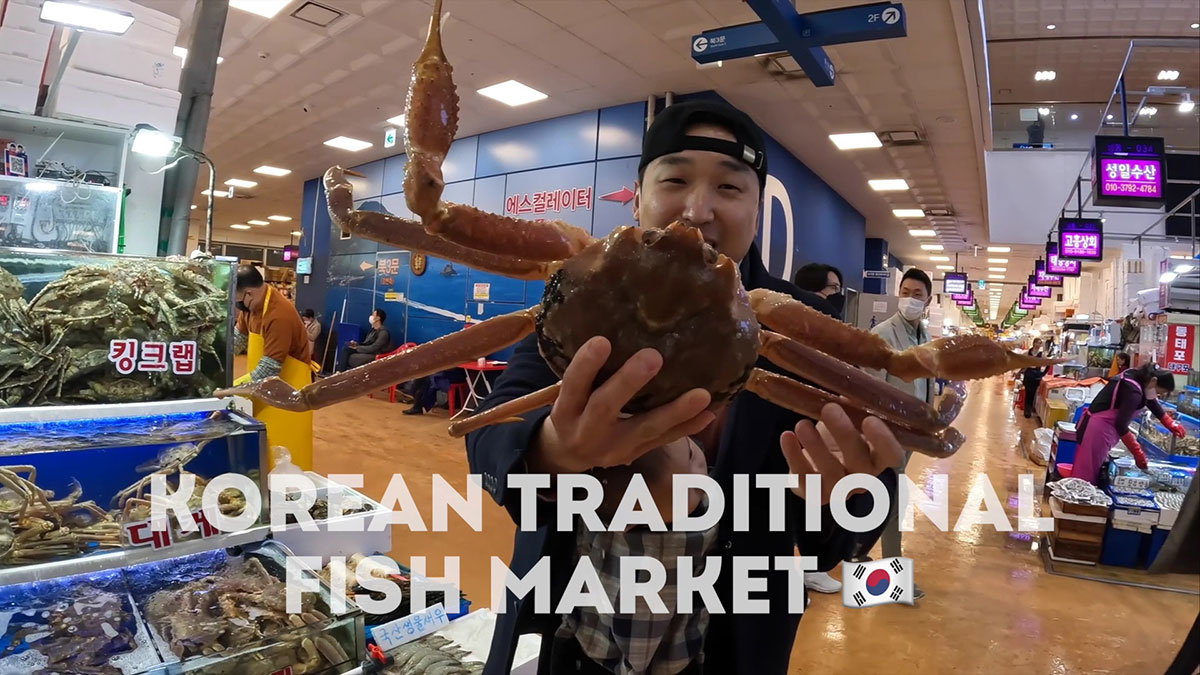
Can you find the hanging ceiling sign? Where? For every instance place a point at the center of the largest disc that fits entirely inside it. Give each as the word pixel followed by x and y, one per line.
pixel 1044 278
pixel 956 284
pixel 1033 290
pixel 1080 238
pixel 1130 171
pixel 1061 266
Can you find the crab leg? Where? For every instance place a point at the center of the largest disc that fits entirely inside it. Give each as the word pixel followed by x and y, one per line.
pixel 507 411
pixel 808 401
pixel 426 359
pixel 963 357
pixel 409 234
pixel 429 130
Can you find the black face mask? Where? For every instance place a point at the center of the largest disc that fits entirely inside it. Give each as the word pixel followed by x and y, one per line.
pixel 838 302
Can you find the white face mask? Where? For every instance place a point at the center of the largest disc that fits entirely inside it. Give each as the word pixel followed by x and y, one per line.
pixel 911 308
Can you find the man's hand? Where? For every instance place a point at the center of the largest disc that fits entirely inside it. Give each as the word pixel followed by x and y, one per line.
pixel 352 344
pixel 585 429
pixel 837 449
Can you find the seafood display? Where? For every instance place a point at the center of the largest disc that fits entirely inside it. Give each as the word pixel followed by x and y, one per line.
pixel 432 655
pixel 35 527
pixel 661 288
pixel 61 626
pixel 403 581
pixel 58 337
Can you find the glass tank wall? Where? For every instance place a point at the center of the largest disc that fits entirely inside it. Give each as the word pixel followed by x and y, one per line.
pixel 84 328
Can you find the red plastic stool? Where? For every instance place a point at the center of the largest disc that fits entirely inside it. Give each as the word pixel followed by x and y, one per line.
pixel 1064 470
pixel 457 396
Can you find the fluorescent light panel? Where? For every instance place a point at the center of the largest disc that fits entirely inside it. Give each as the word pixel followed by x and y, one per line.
pixel 264 8
pixel 908 213
pixel 888 184
pixel 282 219
pixel 86 17
pixel 998 260
pixel 258 222
pixel 513 93
pixel 999 249
pixel 398 120
pixel 995 276
pixel 347 143
pixel 182 53
pixel 238 182
pixel 990 269
pixel 923 233
pixel 932 247
pixel 239 226
pixel 856 141
pixel 297 233
pixel 272 171
pixel 949 268
pixel 940 258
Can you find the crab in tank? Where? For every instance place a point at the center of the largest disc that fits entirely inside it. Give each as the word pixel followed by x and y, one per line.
pixel 661 288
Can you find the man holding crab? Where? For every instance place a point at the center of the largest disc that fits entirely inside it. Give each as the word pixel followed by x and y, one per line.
pixel 703 163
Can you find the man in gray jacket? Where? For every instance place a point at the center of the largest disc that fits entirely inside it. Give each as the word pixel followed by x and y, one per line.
pixel 903 330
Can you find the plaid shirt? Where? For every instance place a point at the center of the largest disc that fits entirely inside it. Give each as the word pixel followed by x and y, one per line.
pixel 643 643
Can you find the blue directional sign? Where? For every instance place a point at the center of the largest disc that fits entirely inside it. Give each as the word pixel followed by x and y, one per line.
pixel 801 35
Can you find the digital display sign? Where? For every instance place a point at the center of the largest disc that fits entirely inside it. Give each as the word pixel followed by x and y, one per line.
pixel 1129 171
pixel 1043 277
pixel 1080 238
pixel 1027 302
pixel 1033 290
pixel 1061 266
pixel 956 283
pixel 968 295
pixel 290 252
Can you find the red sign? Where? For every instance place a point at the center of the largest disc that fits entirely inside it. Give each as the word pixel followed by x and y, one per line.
pixel 553 200
pixel 1180 348
pixel 154 356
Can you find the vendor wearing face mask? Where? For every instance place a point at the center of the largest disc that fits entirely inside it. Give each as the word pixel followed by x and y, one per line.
pixel 269 331
pixel 902 331
pixel 825 281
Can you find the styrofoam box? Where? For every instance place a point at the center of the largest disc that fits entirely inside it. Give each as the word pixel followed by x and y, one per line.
pixel 24 43
pixel 17 97
pixel 356 537
pixel 112 55
pixel 152 30
pixel 26 16
pixel 101 98
pixel 1167 518
pixel 20 70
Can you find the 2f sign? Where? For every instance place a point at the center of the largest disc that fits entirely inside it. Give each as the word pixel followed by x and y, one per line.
pixel 889 16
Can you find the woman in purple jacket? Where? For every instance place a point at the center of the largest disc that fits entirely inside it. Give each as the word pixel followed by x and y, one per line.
pixel 1107 419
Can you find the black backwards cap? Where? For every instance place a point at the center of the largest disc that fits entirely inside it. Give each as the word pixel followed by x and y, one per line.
pixel 667 135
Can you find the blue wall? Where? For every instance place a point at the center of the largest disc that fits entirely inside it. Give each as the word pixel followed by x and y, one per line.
pixel 585 156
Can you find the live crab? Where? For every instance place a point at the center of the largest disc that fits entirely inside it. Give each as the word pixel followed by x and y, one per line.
pixel 665 289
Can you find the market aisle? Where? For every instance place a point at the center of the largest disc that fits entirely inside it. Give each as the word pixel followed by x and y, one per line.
pixel 990 606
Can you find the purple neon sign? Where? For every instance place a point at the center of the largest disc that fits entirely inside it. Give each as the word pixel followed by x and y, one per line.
pixel 1130 177
pixel 1061 266
pixel 1080 238
pixel 1035 291
pixel 1044 278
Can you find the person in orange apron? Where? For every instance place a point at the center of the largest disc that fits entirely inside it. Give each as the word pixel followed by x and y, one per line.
pixel 271 333
pixel 1107 419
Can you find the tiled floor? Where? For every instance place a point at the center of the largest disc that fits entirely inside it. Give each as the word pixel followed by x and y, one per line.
pixel 990 606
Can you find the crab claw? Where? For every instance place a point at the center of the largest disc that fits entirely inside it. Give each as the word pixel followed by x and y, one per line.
pixel 273 392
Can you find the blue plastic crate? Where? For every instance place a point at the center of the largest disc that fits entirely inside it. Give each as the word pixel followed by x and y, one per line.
pixel 1157 539
pixel 1123 548
pixel 1066 452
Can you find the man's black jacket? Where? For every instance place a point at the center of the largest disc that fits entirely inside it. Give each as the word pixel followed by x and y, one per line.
pixel 750 644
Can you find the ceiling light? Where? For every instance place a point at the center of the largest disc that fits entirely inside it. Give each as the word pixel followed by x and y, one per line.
pixel 1044 75
pixel 940 258
pixel 220 193
pixel 1148 111
pixel 999 249
pixel 888 184
pixel 239 226
pixel 948 268
pixel 182 53
pixel 923 233
pixel 990 269
pixel 346 143
pixel 1188 104
pixel 1195 26
pixel 1043 111
pixel 995 276
pixel 397 121
pixel 1167 277
pixel 1050 26
pixel 908 213
pixel 512 93
pixel 998 260
pixel 1108 116
pixel 238 182
pixel 263 8
pixel 1184 269
pixel 282 219
pixel 1168 74
pixel 258 222
pixel 856 141
pixel 193 207
pixel 151 142
pixel 932 247
pixel 1074 116
pixel 297 233
pixel 86 17
pixel 272 171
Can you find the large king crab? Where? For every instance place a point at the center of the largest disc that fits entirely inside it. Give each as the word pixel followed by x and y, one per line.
pixel 665 289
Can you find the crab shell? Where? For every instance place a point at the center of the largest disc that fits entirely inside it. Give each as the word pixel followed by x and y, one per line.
pixel 666 289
